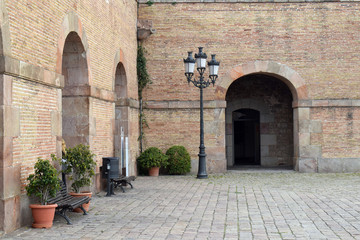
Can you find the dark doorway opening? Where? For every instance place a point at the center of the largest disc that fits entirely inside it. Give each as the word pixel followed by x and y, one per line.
pixel 246 137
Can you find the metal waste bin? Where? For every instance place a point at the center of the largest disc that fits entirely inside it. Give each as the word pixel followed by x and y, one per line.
pixel 110 170
pixel 110 167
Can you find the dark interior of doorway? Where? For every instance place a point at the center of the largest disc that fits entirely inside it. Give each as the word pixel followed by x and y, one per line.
pixel 246 137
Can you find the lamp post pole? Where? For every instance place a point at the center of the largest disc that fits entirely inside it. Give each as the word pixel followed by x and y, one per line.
pixel 201 84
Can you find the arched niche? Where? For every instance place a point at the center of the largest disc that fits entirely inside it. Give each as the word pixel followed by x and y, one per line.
pixel 75 103
pixel 122 109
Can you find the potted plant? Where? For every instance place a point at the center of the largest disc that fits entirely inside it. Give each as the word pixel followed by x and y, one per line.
pixel 43 184
pixel 80 165
pixel 152 159
pixel 179 160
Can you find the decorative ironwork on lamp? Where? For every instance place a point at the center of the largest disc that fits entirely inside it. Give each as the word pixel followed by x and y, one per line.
pixel 200 60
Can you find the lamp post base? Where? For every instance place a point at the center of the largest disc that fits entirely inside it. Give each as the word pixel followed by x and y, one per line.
pixel 202 164
pixel 202 176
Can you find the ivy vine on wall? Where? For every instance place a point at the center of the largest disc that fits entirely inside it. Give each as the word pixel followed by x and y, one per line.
pixel 143 81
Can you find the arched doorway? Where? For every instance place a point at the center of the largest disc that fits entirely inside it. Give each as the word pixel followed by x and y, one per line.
pixel 75 105
pixel 259 122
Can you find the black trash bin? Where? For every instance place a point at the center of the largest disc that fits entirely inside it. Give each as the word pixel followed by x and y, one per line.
pixel 114 167
pixel 110 170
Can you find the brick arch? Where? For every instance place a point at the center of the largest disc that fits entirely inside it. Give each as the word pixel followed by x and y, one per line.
pixel 72 23
pixel 122 109
pixel 289 76
pixel 119 59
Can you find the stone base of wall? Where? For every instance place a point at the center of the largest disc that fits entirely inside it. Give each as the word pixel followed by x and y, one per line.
pixel 338 165
pixel 329 165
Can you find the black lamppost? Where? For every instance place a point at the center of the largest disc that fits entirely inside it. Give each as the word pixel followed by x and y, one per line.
pixel 201 83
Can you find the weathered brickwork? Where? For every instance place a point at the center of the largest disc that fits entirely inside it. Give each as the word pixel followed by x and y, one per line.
pixel 320 41
pixel 311 47
pixel 36 90
pixel 340 131
pixel 36 104
pixel 179 125
pixel 103 137
pixel 35 20
pixel 171 127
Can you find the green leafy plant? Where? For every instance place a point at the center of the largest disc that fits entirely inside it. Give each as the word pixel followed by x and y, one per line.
pixel 179 160
pixel 149 3
pixel 44 182
pixel 80 163
pixel 142 74
pixel 152 157
pixel 143 80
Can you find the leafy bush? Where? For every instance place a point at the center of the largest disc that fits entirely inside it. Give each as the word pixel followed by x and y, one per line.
pixel 80 163
pixel 44 183
pixel 152 157
pixel 179 160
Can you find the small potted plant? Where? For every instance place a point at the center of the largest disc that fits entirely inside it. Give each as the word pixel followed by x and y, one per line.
pixel 152 159
pixel 80 164
pixel 179 160
pixel 43 184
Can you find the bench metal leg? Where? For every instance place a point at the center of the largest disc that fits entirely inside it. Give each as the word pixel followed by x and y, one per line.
pixel 81 207
pixel 63 214
pixel 122 189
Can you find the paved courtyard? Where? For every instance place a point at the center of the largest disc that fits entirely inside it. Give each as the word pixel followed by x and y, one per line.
pixel 236 205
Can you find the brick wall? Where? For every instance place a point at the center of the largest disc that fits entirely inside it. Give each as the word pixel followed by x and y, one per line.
pixel 33 34
pixel 340 134
pixel 319 41
pixel 109 26
pixel 35 104
pixel 103 141
pixel 113 29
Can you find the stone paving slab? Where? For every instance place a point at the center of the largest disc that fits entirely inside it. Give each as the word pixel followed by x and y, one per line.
pixel 236 205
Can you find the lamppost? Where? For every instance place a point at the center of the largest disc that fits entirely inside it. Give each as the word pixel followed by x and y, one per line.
pixel 201 84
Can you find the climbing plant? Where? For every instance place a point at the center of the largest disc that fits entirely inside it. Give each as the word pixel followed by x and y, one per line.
pixel 142 74
pixel 143 81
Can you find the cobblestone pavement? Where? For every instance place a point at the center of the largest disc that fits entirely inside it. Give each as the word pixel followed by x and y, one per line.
pixel 235 205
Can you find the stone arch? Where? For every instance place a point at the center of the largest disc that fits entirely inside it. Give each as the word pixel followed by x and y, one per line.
pixel 289 76
pixel 268 141
pixel 122 108
pixel 295 83
pixel 72 23
pixel 119 65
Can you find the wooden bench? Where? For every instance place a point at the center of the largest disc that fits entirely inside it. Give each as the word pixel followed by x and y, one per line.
pixel 122 180
pixel 67 202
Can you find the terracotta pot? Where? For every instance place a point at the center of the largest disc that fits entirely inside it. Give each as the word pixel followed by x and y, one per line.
pixel 85 205
pixel 43 215
pixel 154 171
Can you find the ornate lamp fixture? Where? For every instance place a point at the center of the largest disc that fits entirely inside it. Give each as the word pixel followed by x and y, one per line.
pixel 201 84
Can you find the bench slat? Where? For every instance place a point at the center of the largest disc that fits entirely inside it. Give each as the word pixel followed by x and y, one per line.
pixel 65 200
